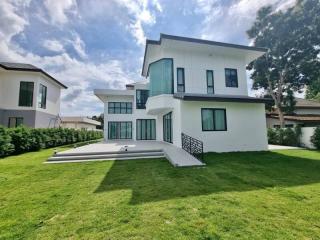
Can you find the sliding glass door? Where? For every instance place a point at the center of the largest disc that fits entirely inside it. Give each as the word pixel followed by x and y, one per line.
pixel 120 130
pixel 167 127
pixel 146 129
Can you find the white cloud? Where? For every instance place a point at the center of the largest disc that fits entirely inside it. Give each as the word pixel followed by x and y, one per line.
pixel 11 23
pixel 58 10
pixel 229 22
pixel 53 45
pixel 79 45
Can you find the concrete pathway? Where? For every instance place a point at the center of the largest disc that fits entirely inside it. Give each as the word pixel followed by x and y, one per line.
pixel 281 147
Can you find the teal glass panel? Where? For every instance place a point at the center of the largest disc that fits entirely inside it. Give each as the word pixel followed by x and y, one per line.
pixel 207 120
pixel 161 77
pixel 219 119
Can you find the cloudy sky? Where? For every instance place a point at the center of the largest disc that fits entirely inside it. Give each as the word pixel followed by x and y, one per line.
pixel 89 44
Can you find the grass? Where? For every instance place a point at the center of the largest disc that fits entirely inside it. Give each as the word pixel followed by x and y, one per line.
pixel 264 195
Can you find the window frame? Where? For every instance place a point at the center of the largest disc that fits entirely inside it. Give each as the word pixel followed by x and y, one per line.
pixel 183 80
pixel 118 130
pixel 117 108
pixel 165 119
pixel 16 123
pixel 146 120
pixel 208 86
pixel 230 80
pixel 42 103
pixel 142 105
pixel 20 103
pixel 213 115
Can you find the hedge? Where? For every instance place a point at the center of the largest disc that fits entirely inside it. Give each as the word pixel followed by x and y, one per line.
pixel 284 136
pixel 22 139
pixel 315 138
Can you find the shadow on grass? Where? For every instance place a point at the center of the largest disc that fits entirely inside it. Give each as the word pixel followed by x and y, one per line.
pixel 156 180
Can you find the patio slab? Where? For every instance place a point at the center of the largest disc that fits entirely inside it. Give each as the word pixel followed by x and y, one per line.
pixel 281 147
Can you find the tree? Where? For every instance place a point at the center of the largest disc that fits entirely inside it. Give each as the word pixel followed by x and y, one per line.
pixel 99 118
pixel 313 90
pixel 291 62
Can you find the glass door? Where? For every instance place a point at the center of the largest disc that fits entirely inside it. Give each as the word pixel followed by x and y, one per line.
pixel 146 129
pixel 120 130
pixel 167 127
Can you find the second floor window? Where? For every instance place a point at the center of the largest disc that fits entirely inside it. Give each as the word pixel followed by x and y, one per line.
pixel 42 98
pixel 231 77
pixel 119 107
pixel 26 94
pixel 141 98
pixel 180 80
pixel 210 82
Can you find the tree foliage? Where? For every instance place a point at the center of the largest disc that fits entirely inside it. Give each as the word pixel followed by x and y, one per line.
pixel 292 60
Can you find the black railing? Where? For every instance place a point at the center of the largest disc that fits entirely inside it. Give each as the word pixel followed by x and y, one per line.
pixel 192 146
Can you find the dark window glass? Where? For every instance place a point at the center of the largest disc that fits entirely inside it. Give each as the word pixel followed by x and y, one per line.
pixel 15 122
pixel 180 80
pixel 141 98
pixel 119 107
pixel 231 77
pixel 213 119
pixel 26 94
pixel 146 129
pixel 120 130
pixel 210 82
pixel 42 99
pixel 167 127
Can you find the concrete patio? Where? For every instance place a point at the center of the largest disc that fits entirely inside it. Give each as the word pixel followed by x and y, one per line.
pixel 126 150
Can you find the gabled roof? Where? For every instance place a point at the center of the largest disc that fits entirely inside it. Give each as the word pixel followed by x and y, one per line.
pixel 220 98
pixel 304 103
pixel 28 68
pixel 199 41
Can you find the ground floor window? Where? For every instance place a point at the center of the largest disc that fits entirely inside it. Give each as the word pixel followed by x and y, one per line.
pixel 167 127
pixel 146 129
pixel 213 119
pixel 15 122
pixel 120 130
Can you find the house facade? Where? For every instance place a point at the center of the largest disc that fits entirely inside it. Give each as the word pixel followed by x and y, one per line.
pixel 193 87
pixel 80 123
pixel 306 114
pixel 28 96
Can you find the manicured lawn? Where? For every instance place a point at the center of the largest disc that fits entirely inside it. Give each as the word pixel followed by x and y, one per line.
pixel 267 195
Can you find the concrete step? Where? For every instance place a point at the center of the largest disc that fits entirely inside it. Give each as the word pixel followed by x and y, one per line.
pixel 110 156
pixel 110 152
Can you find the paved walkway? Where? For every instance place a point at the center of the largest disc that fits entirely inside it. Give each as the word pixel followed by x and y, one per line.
pixel 177 156
pixel 280 147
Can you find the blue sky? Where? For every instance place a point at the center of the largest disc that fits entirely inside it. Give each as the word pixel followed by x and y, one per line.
pixel 89 44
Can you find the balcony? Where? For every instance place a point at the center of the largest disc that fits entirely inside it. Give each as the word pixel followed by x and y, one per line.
pixel 160 104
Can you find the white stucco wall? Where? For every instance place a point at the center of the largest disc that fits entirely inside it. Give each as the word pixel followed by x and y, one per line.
pixel 196 63
pixel 273 121
pixel 10 87
pixel 306 133
pixel 246 126
pixel 79 126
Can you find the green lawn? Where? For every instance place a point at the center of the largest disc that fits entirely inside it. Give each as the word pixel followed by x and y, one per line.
pixel 266 195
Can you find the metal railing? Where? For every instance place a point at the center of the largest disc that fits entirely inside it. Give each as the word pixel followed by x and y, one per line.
pixel 192 146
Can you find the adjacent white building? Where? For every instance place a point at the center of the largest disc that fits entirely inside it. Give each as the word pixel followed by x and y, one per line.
pixel 80 123
pixel 28 96
pixel 193 87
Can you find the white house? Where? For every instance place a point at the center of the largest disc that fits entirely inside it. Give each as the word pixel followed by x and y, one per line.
pixel 28 96
pixel 80 123
pixel 193 87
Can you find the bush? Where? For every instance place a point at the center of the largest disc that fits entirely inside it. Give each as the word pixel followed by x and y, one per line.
pixel 315 138
pixel 284 136
pixel 23 139
pixel 6 147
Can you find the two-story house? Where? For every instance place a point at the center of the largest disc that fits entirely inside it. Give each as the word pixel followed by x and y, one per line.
pixel 193 87
pixel 28 96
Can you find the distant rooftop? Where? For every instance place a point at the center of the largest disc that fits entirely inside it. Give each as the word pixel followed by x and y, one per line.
pixel 304 103
pixel 10 66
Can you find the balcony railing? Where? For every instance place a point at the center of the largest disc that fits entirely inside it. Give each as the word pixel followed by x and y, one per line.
pixel 192 146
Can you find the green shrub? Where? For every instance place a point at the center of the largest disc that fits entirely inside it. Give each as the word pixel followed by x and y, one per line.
pixel 23 139
pixel 6 147
pixel 284 136
pixel 315 138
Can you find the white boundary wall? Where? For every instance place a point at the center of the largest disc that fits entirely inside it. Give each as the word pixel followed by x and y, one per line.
pixel 306 133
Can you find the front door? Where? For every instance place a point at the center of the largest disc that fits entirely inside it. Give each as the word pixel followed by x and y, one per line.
pixel 167 127
pixel 146 129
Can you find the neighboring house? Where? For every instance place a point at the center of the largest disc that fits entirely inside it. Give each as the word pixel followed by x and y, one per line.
pixel 28 96
pixel 306 114
pixel 83 123
pixel 193 87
